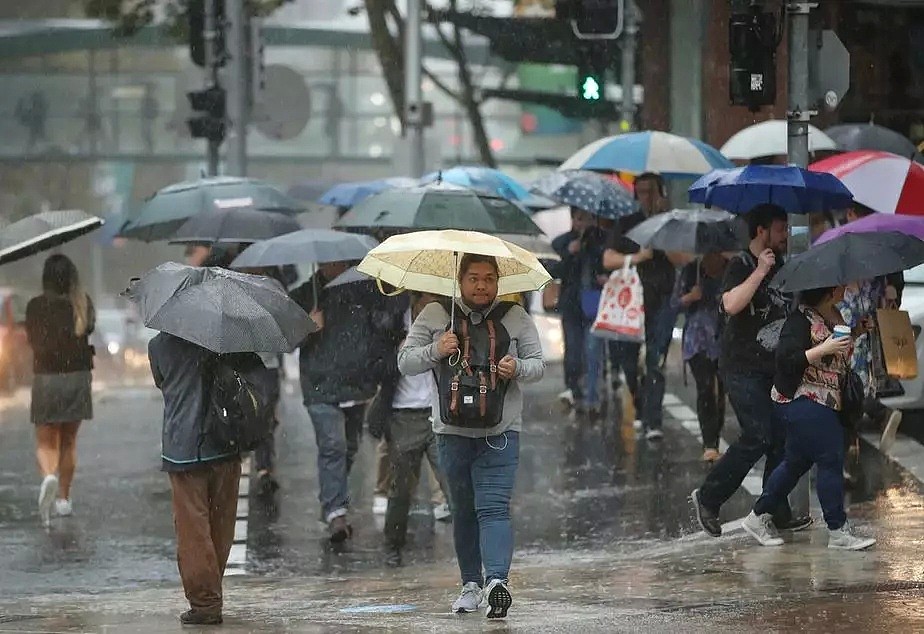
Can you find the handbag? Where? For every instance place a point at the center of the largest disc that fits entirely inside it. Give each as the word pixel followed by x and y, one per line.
pixel 852 397
pixel 620 313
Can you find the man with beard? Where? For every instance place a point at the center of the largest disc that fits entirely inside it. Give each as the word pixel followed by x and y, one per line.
pixel 755 314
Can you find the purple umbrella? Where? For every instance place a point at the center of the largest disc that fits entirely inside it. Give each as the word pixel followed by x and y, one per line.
pixel 878 223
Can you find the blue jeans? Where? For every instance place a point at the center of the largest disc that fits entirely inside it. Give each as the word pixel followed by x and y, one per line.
pixel 814 435
pixel 594 355
pixel 337 432
pixel 761 434
pixel 659 330
pixel 574 326
pixel 480 473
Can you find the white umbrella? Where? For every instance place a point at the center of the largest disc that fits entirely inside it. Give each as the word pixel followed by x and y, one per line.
pixel 769 138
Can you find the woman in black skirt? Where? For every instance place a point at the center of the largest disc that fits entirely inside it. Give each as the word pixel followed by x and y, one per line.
pixel 58 323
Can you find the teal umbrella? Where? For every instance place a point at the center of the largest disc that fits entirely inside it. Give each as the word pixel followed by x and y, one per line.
pixel 166 211
pixel 439 206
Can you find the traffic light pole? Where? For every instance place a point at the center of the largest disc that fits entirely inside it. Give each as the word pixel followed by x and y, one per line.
pixel 210 36
pixel 237 88
pixel 629 43
pixel 413 94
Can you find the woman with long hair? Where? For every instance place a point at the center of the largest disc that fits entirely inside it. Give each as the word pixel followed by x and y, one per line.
pixel 59 323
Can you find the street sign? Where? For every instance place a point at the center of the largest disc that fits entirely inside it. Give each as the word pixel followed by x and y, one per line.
pixel 829 69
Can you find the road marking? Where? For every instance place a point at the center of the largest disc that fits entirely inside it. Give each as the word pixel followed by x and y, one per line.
pixel 237 560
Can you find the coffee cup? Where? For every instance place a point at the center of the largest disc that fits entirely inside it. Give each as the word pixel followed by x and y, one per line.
pixel 841 331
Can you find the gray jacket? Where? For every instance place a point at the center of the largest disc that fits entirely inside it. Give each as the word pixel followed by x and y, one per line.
pixel 419 355
pixel 177 366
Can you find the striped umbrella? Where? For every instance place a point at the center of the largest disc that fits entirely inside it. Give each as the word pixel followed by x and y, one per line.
pixel 884 182
pixel 639 152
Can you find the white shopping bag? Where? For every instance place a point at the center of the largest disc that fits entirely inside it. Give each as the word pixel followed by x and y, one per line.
pixel 621 314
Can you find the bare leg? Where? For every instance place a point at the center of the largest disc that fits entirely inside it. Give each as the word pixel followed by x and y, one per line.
pixel 48 448
pixel 68 462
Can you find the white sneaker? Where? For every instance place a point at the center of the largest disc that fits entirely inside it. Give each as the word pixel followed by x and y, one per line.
pixel 654 434
pixel 845 538
pixel 761 528
pixel 498 599
pixel 441 512
pixel 567 398
pixel 64 508
pixel 469 600
pixel 888 433
pixel 637 424
pixel 46 499
pixel 379 505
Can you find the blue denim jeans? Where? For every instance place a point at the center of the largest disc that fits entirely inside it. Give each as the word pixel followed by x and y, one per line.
pixel 481 473
pixel 659 330
pixel 814 435
pixel 594 356
pixel 337 432
pixel 574 326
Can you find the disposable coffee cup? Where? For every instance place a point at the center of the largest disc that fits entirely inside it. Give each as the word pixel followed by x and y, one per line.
pixel 841 331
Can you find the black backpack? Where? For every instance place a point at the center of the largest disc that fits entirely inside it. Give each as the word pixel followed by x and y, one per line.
pixel 471 392
pixel 239 411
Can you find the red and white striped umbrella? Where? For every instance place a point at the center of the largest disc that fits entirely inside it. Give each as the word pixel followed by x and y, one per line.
pixel 885 182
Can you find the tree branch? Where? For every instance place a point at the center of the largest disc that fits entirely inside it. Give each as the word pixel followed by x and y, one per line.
pixel 441 85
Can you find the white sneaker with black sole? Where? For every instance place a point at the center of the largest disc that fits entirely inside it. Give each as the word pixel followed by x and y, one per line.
pixel 46 499
pixel 761 528
pixel 654 434
pixel 498 599
pixel 469 600
pixel 845 538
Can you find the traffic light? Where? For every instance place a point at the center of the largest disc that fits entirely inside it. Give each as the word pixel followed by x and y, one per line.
pixel 195 14
pixel 592 18
pixel 210 124
pixel 753 38
pixel 590 86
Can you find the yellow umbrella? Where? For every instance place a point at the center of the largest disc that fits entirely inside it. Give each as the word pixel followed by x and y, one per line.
pixel 428 261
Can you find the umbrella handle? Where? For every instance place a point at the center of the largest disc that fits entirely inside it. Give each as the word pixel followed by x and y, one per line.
pixel 378 283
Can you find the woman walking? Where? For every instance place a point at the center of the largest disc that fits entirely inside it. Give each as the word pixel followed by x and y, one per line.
pixel 812 366
pixel 58 325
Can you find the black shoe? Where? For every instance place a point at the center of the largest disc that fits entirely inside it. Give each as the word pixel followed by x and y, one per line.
pixel 393 557
pixel 200 617
pixel 340 531
pixel 708 520
pixel 267 484
pixel 795 524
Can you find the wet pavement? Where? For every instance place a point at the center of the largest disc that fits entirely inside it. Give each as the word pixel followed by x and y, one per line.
pixel 603 532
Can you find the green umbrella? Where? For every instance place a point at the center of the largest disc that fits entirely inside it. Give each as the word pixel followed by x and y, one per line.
pixel 439 206
pixel 167 210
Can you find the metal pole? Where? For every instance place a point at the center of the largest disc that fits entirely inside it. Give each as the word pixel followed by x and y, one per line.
pixel 237 88
pixel 798 115
pixel 629 44
pixel 210 36
pixel 413 94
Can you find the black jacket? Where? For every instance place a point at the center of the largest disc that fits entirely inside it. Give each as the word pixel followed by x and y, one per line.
pixel 50 328
pixel 346 360
pixel 795 339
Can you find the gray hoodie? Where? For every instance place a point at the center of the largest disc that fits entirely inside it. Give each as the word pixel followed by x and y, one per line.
pixel 419 355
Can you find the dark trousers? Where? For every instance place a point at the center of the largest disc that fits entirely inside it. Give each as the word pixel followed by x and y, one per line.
pixel 710 399
pixel 659 329
pixel 624 356
pixel 411 439
pixel 337 432
pixel 204 511
pixel 264 456
pixel 761 435
pixel 574 328
pixel 814 435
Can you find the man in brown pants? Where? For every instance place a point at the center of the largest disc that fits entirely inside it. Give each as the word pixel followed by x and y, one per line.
pixel 204 476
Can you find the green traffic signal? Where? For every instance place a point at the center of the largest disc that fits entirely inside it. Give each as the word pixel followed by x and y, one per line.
pixel 590 88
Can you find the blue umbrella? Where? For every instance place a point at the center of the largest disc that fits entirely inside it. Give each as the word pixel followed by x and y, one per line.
pixel 349 194
pixel 587 191
pixel 491 181
pixel 796 190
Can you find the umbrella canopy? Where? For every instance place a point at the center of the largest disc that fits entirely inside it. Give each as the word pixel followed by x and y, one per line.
pixel 884 182
pixel 868 136
pixel 492 181
pixel 660 152
pixel 221 310
pixel 349 194
pixel 167 210
pixel 540 246
pixel 849 258
pixel 439 206
pixel 878 223
pixel 428 261
pixel 308 246
pixel 311 190
pixel 698 231
pixel 770 138
pixel 42 231
pixel 591 192
pixel 796 190
pixel 234 226
pixel 350 276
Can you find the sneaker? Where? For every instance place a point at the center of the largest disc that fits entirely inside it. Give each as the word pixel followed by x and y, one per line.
pixel 442 512
pixel 637 424
pixel 796 524
pixel 267 484
pixel 393 557
pixel 64 508
pixel 340 531
pixel 200 617
pixel 761 528
pixel 708 520
pixel 499 599
pixel 47 495
pixel 845 538
pixel 654 434
pixel 889 431
pixel 379 505
pixel 469 600
pixel 567 398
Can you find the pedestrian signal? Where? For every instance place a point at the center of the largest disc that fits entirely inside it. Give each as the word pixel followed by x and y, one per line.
pixel 590 87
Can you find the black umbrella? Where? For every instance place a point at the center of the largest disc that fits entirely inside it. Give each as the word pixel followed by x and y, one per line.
pixel 849 258
pixel 234 226
pixel 868 136
pixel 43 231
pixel 698 231
pixel 221 310
pixel 307 246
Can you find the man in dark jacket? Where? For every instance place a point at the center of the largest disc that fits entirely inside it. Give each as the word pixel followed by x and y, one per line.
pixel 204 476
pixel 340 367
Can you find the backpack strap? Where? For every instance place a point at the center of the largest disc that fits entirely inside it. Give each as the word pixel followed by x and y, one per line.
pixel 492 352
pixel 454 395
pixel 483 394
pixel 466 347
